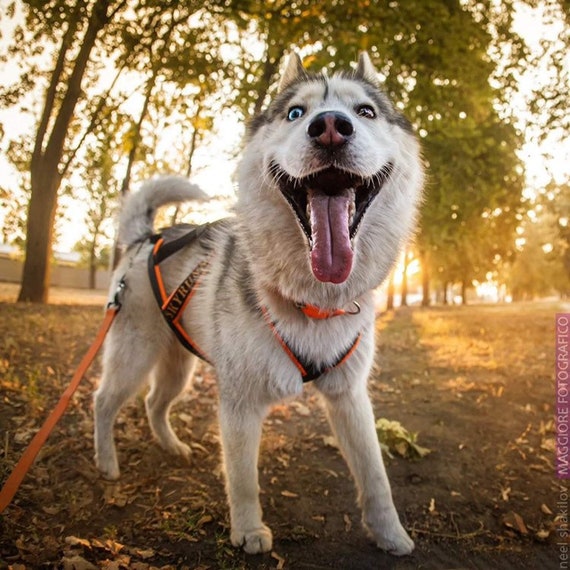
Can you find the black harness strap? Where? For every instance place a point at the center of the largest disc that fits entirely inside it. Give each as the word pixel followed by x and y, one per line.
pixel 172 306
pixel 312 372
pixel 169 247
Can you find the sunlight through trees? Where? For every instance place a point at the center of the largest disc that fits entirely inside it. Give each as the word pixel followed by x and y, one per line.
pixel 120 90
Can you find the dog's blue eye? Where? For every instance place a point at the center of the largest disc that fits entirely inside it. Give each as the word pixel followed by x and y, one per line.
pixel 295 113
pixel 366 111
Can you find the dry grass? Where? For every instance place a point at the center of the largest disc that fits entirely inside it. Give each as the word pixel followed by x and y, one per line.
pixel 57 295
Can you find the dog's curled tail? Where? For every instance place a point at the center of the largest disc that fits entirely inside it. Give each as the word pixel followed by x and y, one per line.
pixel 138 211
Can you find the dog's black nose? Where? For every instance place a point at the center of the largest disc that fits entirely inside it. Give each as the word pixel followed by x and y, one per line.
pixel 330 129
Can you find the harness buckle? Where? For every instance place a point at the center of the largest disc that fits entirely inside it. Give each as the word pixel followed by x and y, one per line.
pixel 115 303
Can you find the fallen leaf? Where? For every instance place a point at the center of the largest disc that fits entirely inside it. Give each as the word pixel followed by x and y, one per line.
pixel 108 544
pixel 186 418
pixel 284 459
pixel 545 509
pixel 22 436
pixel 204 520
pixel 75 541
pixel 331 473
pixel 113 495
pixel 77 563
pixel 289 494
pixel 514 521
pixel 330 441
pixel 145 554
pixel 196 445
pixel 280 560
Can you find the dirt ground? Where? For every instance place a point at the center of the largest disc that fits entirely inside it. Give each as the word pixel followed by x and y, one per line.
pixel 476 383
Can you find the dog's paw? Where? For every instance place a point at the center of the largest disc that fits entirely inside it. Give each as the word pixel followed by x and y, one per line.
pixel 390 535
pixel 180 449
pixel 174 446
pixel 253 541
pixel 396 542
pixel 108 469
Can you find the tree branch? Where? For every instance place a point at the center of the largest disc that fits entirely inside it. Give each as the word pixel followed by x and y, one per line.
pixel 97 20
pixel 94 122
pixel 74 20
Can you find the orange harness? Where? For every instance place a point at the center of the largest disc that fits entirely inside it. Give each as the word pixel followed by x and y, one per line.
pixel 308 370
pixel 172 306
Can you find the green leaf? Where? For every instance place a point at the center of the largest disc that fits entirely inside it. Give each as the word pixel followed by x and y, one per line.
pixel 395 439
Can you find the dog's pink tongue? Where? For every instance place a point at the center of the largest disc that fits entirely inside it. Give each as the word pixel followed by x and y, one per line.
pixel 331 256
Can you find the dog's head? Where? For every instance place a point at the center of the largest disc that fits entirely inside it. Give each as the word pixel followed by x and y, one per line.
pixel 338 154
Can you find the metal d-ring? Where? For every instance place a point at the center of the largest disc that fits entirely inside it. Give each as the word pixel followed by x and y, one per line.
pixel 356 309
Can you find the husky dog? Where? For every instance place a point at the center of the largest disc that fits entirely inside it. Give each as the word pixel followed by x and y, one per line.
pixel 279 294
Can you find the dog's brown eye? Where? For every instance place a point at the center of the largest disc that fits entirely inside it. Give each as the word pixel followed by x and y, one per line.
pixel 366 111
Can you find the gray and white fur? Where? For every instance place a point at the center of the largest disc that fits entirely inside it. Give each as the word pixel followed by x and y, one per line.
pixel 329 187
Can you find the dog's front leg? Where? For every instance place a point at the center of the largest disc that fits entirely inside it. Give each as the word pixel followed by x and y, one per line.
pixel 352 420
pixel 240 425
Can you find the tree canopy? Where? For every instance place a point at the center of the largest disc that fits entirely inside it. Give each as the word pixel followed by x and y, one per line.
pixel 110 76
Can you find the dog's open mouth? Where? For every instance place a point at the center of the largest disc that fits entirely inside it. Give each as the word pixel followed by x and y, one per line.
pixel 329 206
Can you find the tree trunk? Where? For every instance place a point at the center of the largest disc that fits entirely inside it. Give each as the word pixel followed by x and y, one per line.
pixel 425 280
pixel 464 292
pixel 404 301
pixel 390 294
pixel 93 258
pixel 445 297
pixel 39 237
pixel 44 167
pixel 125 186
pixel 92 273
pixel 196 134
pixel 126 183
pixel 270 67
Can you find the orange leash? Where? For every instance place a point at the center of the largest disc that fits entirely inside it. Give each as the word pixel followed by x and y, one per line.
pixel 13 482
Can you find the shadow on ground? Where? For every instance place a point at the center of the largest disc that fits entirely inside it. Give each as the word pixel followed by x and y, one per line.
pixel 475 383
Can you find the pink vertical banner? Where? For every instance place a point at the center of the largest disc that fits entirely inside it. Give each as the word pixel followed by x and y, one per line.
pixel 562 395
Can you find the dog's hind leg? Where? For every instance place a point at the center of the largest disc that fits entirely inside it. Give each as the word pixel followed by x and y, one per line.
pixel 352 420
pixel 170 377
pixel 240 425
pixel 123 376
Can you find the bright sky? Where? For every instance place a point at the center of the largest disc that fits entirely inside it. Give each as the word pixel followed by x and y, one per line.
pixel 214 162
pixel 530 25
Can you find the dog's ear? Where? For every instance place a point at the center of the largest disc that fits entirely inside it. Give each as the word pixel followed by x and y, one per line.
pixel 294 71
pixel 365 69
